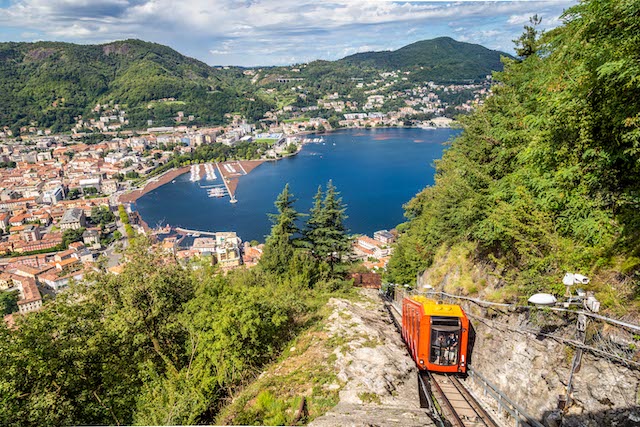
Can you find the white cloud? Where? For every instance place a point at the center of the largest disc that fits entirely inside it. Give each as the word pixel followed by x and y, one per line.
pixel 305 28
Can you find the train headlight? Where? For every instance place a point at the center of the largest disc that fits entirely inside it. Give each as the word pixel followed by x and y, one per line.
pixel 422 362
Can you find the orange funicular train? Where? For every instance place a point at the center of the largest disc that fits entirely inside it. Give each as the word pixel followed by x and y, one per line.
pixel 437 334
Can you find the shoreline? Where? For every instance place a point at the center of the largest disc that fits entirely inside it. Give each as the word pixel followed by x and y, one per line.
pixel 152 184
pixel 157 182
pixel 248 165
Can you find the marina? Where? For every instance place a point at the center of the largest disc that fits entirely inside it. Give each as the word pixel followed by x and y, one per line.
pixel 195 173
pixel 312 140
pixel 210 172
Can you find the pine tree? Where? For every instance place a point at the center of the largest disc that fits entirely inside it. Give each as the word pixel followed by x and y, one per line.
pixel 326 233
pixel 314 223
pixel 527 43
pixel 339 241
pixel 287 215
pixel 280 245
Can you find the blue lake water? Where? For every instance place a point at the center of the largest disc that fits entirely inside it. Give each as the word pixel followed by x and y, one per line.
pixel 375 170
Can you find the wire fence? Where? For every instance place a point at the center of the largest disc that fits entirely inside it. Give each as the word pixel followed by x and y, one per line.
pixel 601 336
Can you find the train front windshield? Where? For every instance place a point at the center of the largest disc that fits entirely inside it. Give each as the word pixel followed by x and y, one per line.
pixel 445 340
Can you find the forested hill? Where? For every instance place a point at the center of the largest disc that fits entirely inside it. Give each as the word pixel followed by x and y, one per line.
pixel 49 83
pixel 545 177
pixel 440 59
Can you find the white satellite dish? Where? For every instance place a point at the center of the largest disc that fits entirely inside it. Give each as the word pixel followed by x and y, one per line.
pixel 543 299
pixel 568 279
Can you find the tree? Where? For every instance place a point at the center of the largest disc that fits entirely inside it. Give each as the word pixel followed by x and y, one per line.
pixel 70 236
pixel 8 302
pixel 280 245
pixel 326 232
pixel 73 193
pixel 527 43
pixel 102 215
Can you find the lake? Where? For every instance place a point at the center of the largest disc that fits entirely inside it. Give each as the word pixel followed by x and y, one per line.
pixel 375 170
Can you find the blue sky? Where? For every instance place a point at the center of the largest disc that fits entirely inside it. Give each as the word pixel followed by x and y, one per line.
pixel 273 32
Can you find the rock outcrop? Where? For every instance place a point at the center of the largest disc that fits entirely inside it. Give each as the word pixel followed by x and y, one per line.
pixel 379 377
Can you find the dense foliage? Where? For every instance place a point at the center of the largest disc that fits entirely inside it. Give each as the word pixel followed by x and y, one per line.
pixel 156 344
pixel 48 84
pixel 160 343
pixel 546 176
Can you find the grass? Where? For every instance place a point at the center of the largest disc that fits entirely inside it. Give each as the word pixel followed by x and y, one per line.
pixel 368 397
pixel 153 103
pixel 454 264
pixel 305 368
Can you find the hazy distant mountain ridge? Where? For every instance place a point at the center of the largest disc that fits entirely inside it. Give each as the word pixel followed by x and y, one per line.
pixel 438 59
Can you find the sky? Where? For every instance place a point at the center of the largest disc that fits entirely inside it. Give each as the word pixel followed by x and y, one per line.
pixel 274 32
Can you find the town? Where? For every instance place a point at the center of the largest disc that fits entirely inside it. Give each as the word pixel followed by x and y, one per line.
pixel 66 199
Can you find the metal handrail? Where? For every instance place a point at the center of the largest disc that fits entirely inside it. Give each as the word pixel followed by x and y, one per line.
pixel 529 307
pixel 515 410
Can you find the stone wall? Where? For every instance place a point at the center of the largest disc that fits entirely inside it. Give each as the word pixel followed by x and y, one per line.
pixel 534 371
pixel 533 368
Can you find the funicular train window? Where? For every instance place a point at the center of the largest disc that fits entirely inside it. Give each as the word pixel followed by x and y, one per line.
pixel 445 340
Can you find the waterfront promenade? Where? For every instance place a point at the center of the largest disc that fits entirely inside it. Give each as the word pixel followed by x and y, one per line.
pixel 152 184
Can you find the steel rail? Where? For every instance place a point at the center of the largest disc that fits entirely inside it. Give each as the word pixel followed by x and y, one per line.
pixel 484 415
pixel 445 403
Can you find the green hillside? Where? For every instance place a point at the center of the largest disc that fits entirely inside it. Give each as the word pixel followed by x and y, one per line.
pixel 546 176
pixel 440 59
pixel 49 83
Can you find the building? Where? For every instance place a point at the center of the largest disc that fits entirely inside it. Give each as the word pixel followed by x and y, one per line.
pixel 109 186
pixel 384 236
pixel 53 196
pixel 368 247
pixel 30 233
pixel 73 219
pixel 204 245
pixel 227 252
pixel 30 298
pixel 91 238
pixel 4 221
pixel 57 280
pixel 90 183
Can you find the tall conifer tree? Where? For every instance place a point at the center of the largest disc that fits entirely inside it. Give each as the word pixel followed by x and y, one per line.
pixel 326 233
pixel 279 247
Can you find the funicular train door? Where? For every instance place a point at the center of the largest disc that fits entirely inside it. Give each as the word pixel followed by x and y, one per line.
pixel 444 345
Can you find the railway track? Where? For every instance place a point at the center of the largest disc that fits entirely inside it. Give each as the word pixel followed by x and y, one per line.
pixel 454 405
pixel 458 406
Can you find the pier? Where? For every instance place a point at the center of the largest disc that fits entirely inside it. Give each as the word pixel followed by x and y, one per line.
pixel 232 196
pixel 187 231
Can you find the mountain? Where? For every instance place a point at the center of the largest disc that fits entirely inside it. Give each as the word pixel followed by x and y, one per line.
pixel 440 59
pixel 50 82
